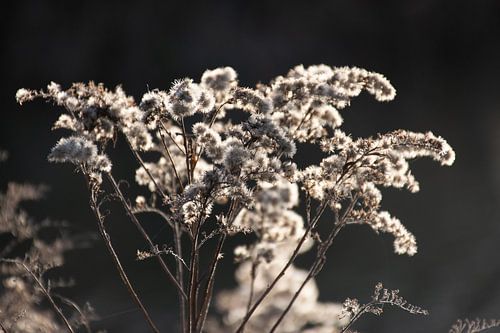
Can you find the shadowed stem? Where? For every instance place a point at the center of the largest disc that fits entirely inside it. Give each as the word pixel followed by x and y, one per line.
pixel 302 121
pixel 194 267
pixel 139 160
pixel 107 241
pixel 313 271
pixel 176 229
pixel 188 152
pixel 233 211
pixel 319 261
pixel 169 155
pixel 159 212
pixel 180 273
pixel 212 122
pixel 178 256
pixel 193 270
pixel 210 284
pixel 139 227
pixel 294 298
pixel 356 317
pixel 285 268
pixel 162 125
pixel 83 318
pixel 192 301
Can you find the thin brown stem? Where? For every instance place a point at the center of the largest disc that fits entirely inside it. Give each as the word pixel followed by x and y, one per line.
pixel 214 116
pixel 180 274
pixel 123 275
pixel 320 260
pixel 162 125
pixel 44 291
pixel 285 268
pixel 192 301
pixel 193 273
pixel 313 271
pixel 302 121
pixel 210 124
pixel 169 155
pixel 194 283
pixel 83 318
pixel 308 208
pixel 155 211
pixel 207 297
pixel 194 267
pixel 187 150
pixel 283 314
pixel 178 256
pixel 356 317
pixel 139 160
pixel 144 234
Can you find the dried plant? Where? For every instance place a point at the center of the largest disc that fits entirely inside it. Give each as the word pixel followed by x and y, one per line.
pixel 217 159
pixel 474 326
pixel 24 260
pixel 381 296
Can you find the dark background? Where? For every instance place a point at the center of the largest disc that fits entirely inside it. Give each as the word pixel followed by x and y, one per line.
pixel 443 57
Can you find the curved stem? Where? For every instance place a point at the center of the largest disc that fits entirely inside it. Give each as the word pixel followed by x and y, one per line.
pixel 139 227
pixel 75 306
pixel 169 155
pixel 162 125
pixel 233 211
pixel 107 241
pixel 356 317
pixel 285 268
pixel 212 122
pixel 157 211
pixel 320 260
pixel 139 160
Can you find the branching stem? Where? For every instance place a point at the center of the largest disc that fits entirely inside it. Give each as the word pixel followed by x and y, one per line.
pixel 285 268
pixel 123 275
pixel 144 234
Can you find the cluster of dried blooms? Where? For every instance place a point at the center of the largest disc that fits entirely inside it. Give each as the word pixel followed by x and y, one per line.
pixel 381 296
pixel 24 260
pixel 474 326
pixel 210 174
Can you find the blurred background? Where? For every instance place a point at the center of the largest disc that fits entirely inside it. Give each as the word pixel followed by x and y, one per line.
pixel 443 57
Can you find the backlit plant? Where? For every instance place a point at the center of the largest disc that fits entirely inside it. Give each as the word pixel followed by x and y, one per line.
pixel 216 159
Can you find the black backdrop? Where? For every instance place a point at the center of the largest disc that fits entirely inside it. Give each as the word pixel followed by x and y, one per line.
pixel 442 56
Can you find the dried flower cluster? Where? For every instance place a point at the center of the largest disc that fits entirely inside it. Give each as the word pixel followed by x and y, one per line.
pixel 381 296
pixel 24 260
pixel 210 175
pixel 474 326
